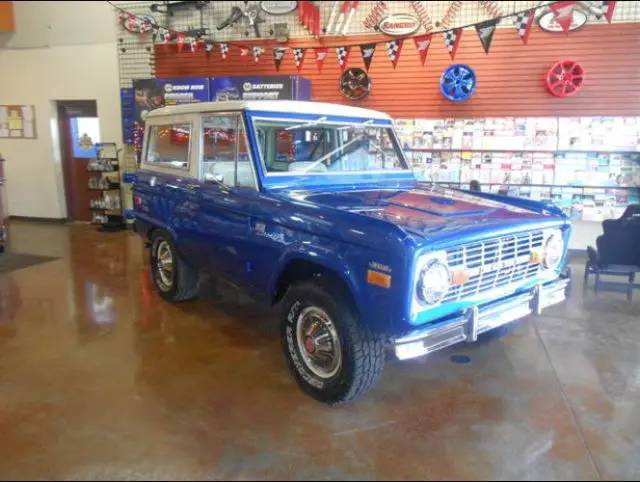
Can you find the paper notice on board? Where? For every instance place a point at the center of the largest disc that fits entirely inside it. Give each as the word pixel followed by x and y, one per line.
pixel 27 127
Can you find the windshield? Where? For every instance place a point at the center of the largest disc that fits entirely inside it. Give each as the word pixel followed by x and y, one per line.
pixel 319 146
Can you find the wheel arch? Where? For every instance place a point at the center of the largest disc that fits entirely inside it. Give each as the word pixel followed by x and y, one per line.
pixel 301 267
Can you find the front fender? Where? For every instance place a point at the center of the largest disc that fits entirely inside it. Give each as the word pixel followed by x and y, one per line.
pixel 378 307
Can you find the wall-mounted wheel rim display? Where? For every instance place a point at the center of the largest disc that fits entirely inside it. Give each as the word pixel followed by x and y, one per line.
pixel 355 84
pixel 458 83
pixel 565 78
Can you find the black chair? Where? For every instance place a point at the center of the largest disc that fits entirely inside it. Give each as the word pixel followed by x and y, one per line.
pixel 618 252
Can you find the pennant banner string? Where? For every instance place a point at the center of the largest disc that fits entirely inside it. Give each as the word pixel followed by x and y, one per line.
pixel 345 45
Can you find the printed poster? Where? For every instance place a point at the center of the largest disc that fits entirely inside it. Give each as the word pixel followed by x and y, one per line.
pixel 17 122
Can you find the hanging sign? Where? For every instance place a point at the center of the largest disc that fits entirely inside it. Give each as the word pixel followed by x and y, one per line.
pixel 278 8
pixel 399 25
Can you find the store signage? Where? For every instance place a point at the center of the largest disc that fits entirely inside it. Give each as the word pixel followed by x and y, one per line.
pixel 278 8
pixel 549 23
pixel 252 88
pixel 152 94
pixel 399 25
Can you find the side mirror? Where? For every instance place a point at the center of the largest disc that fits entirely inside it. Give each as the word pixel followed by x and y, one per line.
pixel 213 178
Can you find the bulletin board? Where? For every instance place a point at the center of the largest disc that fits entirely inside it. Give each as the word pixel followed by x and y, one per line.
pixel 17 122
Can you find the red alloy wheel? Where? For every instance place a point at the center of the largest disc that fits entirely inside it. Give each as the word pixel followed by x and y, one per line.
pixel 565 78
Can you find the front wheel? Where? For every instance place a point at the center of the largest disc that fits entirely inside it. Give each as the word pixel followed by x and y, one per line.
pixel 333 357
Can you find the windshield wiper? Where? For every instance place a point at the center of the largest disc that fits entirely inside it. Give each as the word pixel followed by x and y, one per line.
pixel 307 124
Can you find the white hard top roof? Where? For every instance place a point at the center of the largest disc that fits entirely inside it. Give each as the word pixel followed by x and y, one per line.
pixel 286 106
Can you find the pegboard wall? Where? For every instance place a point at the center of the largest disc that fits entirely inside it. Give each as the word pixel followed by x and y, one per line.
pixel 136 53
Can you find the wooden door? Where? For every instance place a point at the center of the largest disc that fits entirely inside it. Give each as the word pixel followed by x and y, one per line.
pixel 76 176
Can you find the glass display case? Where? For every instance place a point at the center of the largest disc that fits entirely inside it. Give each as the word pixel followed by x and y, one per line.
pixel 590 166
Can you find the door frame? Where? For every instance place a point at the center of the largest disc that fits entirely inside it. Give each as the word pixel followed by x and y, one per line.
pixel 66 110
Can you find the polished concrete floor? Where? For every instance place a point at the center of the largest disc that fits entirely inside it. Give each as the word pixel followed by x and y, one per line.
pixel 100 379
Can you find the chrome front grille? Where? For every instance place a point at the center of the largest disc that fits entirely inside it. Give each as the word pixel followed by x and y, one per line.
pixel 494 263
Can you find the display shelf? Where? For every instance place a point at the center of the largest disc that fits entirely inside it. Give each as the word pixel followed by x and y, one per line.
pixel 508 151
pixel 581 164
pixel 107 211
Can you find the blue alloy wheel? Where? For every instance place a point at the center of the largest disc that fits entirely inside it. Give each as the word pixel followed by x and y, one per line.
pixel 458 83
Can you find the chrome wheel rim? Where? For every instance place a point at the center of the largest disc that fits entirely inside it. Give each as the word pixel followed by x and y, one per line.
pixel 164 265
pixel 318 342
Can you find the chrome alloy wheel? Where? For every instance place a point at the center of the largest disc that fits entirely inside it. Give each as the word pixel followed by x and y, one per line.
pixel 164 264
pixel 318 342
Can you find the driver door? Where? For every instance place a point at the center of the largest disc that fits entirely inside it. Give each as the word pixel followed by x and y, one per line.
pixel 228 188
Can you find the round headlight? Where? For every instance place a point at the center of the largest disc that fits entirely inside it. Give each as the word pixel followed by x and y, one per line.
pixel 553 250
pixel 434 282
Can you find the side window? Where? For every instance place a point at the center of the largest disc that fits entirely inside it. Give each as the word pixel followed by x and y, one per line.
pixel 225 154
pixel 169 145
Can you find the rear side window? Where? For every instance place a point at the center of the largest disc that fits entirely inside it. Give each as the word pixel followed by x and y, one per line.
pixel 169 145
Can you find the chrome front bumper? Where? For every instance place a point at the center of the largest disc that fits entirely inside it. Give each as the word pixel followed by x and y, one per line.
pixel 480 319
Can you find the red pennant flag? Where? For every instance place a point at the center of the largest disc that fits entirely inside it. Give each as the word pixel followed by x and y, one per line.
pixel 321 56
pixel 181 39
pixel 523 22
pixel 343 56
pixel 564 14
pixel 367 51
pixel 422 45
pixel 611 7
pixel 298 57
pixel 278 56
pixel 452 41
pixel 394 47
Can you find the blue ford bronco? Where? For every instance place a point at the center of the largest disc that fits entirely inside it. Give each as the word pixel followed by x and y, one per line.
pixel 312 208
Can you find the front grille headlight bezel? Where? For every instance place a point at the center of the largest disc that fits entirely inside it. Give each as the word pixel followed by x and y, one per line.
pixel 433 279
pixel 553 250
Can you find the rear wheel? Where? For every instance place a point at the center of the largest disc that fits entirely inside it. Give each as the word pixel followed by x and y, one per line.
pixel 333 357
pixel 174 279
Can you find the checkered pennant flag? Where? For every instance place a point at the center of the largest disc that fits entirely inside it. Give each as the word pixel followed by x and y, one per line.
pixel 394 47
pixel 278 56
pixel 343 56
pixel 298 57
pixel 193 43
pixel 208 47
pixel 523 22
pixel 224 51
pixel 485 32
pixel 606 10
pixel 257 52
pixel 452 41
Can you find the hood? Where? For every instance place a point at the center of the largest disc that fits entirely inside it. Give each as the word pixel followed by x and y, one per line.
pixel 433 213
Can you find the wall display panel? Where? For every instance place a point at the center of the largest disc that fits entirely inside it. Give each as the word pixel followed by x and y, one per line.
pixel 528 157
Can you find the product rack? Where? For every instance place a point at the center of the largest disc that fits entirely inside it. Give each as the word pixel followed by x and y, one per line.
pixel 588 166
pixel 107 210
